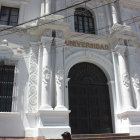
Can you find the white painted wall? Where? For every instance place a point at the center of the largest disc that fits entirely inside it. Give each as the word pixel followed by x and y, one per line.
pixel 32 122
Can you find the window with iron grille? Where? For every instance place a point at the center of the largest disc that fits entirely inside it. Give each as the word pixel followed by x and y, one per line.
pixel 9 16
pixel 6 87
pixel 84 21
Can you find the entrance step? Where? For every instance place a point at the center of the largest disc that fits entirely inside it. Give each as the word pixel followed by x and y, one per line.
pixel 110 136
pixel 99 135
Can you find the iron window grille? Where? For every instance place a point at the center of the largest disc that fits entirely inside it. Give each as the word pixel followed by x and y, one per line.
pixel 6 87
pixel 84 21
pixel 9 16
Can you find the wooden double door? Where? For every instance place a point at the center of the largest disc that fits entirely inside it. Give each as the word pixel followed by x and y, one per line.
pixel 89 100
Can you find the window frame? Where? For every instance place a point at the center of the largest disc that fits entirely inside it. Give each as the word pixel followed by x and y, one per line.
pixel 9 15
pixel 14 105
pixel 89 16
pixel 6 95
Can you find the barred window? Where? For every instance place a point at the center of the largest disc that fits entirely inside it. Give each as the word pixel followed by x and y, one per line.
pixel 9 16
pixel 6 87
pixel 84 21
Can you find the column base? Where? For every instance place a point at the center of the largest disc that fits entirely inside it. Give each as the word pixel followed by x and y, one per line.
pixel 53 132
pixel 61 108
pixel 30 132
pixel 130 120
pixel 138 109
pixel 128 108
pixel 46 107
pixel 53 118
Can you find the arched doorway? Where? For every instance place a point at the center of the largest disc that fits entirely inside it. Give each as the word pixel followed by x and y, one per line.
pixel 89 100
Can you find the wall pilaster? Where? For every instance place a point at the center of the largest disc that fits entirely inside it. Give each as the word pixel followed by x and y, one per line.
pixel 124 80
pixel 33 79
pixel 59 78
pixel 46 75
pixel 134 73
pixel 114 13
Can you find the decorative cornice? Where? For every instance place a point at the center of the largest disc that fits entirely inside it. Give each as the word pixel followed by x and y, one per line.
pixel 6 48
pixel 119 28
pixel 44 111
pixel 9 114
pixel 129 113
pixel 132 3
pixel 15 1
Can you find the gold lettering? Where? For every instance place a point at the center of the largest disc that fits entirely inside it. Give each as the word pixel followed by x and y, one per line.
pixel 78 44
pixel 103 47
pixel 100 46
pixel 97 46
pixel 106 47
pixel 87 44
pixel 74 43
pixel 83 44
pixel 90 45
pixel 70 43
pixel 66 42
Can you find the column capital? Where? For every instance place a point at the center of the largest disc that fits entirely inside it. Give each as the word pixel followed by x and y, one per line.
pixel 124 80
pixel 60 43
pixel 132 51
pixel 46 41
pixel 120 50
pixel 38 43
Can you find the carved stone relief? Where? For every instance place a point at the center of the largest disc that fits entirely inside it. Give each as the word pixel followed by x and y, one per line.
pixel 119 28
pixel 46 76
pixel 59 34
pixel 125 79
pixel 32 97
pixel 136 81
pixel 59 77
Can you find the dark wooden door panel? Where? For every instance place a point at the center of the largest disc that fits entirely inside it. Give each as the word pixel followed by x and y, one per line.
pixel 89 100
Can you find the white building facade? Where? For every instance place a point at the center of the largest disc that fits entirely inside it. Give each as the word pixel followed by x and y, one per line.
pixel 76 70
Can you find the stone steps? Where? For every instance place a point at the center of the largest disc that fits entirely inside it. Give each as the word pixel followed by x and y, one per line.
pixel 118 136
pixel 99 135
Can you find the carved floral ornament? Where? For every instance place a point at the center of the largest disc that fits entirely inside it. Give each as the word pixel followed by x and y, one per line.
pixel 46 42
pixel 33 97
pixel 119 28
pixel 59 77
pixel 46 75
pixel 32 102
pixel 125 79
pixel 136 81
pixel 120 50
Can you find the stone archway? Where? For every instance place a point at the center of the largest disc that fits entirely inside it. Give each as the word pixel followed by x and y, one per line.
pixel 89 100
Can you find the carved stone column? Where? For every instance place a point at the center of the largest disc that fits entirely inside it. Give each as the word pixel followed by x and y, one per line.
pixel 33 79
pixel 135 78
pixel 46 76
pixel 59 77
pixel 114 13
pixel 117 87
pixel 124 80
pixel 47 6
